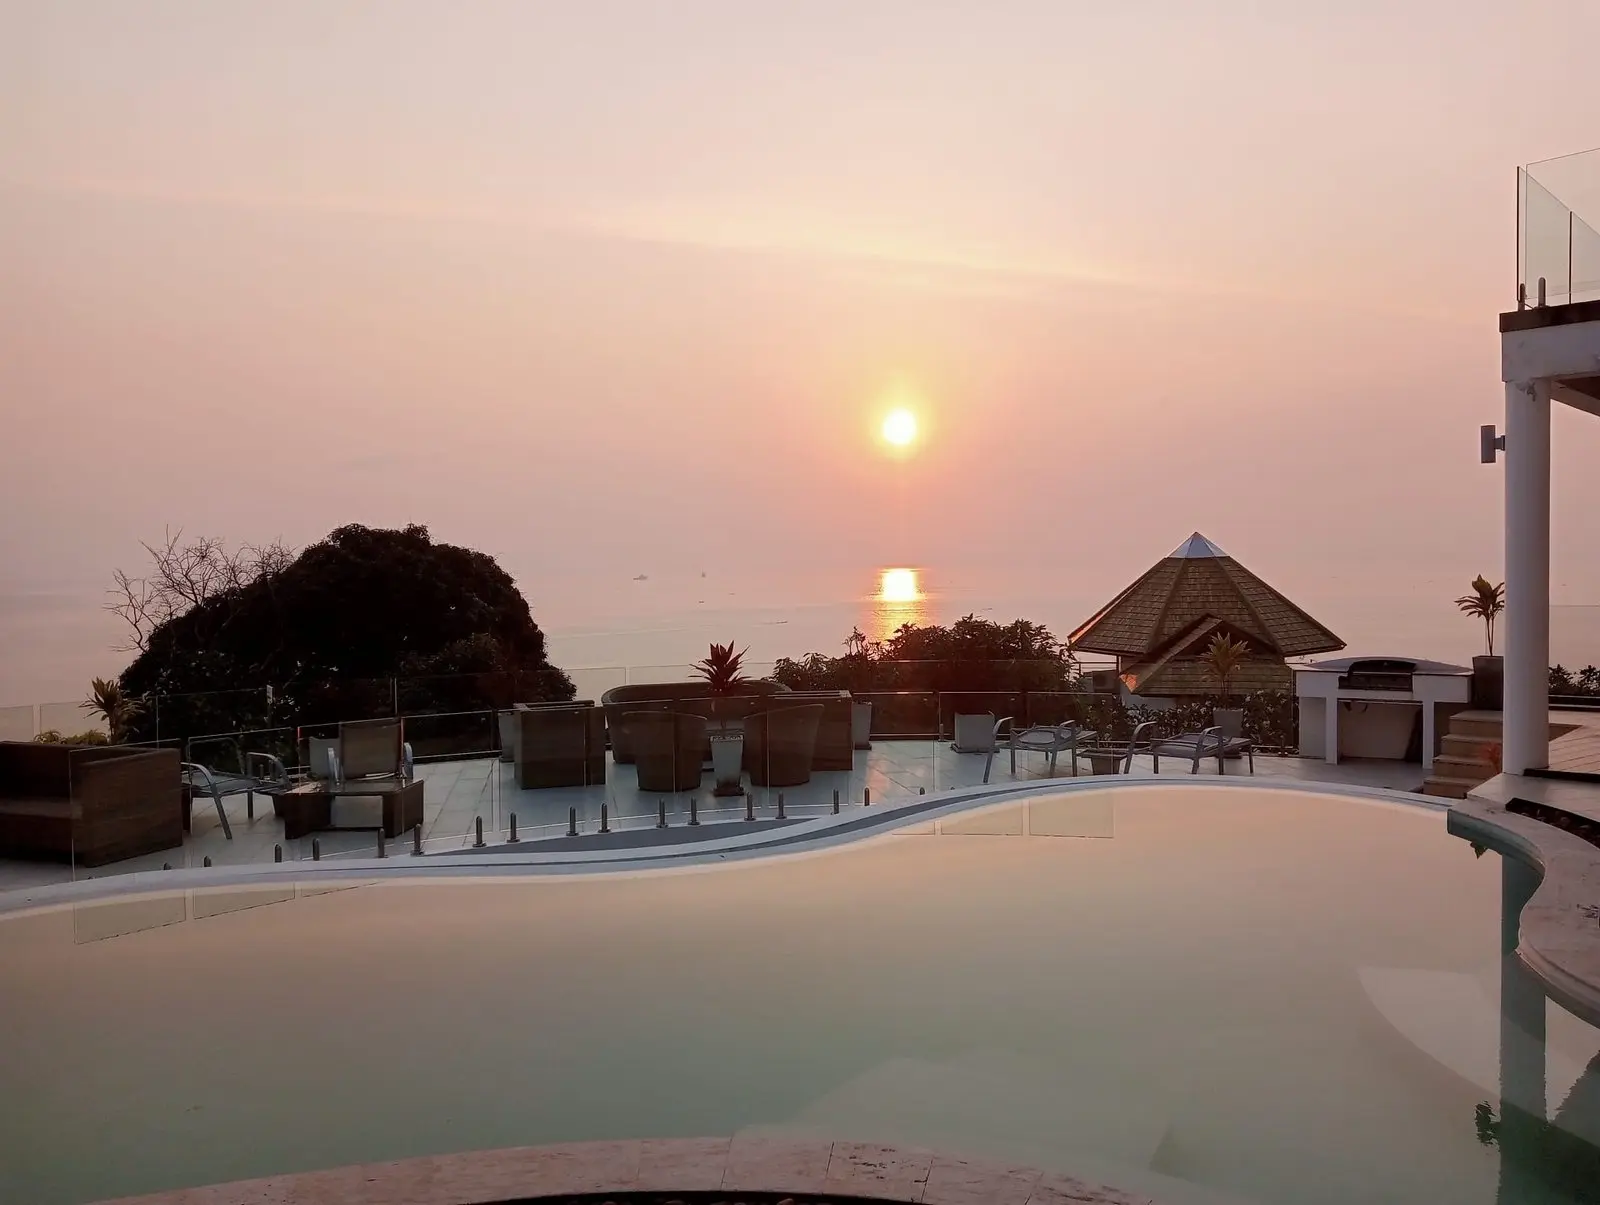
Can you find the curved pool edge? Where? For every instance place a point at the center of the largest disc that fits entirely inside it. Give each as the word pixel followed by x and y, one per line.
pixel 759 1166
pixel 1558 935
pixel 536 858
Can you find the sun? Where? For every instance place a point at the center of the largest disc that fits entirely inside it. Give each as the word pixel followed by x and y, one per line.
pixel 900 427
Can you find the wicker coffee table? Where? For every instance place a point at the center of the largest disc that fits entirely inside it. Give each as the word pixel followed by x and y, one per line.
pixel 308 808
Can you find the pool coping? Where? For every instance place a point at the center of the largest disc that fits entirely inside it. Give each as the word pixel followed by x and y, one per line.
pixel 741 1164
pixel 1558 935
pixel 546 857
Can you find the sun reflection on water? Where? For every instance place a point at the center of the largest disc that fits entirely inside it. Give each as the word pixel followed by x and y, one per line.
pixel 900 600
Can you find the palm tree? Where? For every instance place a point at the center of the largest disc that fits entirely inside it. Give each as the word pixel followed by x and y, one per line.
pixel 1224 655
pixel 1485 602
pixel 118 710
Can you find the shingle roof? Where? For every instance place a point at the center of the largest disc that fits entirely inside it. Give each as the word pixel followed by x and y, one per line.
pixel 1200 581
pixel 1192 676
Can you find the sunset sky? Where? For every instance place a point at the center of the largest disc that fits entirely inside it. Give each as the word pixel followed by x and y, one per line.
pixel 617 288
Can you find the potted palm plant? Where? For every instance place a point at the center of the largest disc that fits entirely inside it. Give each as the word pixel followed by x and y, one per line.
pixel 1223 656
pixel 858 651
pixel 721 670
pixel 1488 672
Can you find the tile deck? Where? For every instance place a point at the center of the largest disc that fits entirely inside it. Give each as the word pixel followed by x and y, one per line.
pixel 458 794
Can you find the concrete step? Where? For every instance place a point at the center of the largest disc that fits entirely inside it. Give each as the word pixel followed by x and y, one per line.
pixel 1453 745
pixel 1448 788
pixel 1478 769
pixel 1478 726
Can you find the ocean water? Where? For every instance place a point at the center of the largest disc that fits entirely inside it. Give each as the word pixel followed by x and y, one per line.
pixel 52 643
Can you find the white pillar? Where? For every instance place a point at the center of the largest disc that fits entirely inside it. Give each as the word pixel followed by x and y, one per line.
pixel 1427 733
pixel 1526 626
pixel 1330 732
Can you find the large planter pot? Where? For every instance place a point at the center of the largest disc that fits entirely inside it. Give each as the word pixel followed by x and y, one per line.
pixel 1229 719
pixel 727 761
pixel 1488 683
pixel 508 735
pixel 861 725
pixel 974 733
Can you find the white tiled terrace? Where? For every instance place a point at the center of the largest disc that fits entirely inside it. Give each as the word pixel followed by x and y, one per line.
pixel 458 793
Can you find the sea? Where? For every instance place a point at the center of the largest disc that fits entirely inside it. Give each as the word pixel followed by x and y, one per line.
pixel 643 628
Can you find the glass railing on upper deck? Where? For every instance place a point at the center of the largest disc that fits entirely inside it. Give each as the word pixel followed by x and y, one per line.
pixel 1558 230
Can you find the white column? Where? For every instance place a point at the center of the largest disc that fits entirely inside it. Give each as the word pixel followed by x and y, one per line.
pixel 1330 732
pixel 1526 625
pixel 1427 732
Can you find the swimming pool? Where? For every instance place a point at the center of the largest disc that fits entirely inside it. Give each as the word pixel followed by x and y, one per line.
pixel 1203 993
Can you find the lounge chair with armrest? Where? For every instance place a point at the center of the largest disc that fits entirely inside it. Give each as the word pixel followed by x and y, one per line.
pixel 1049 739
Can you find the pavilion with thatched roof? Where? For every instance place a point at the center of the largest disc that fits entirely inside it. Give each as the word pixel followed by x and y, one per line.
pixel 1159 627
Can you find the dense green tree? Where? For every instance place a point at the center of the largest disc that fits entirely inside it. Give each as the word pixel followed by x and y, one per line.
pixel 328 630
pixel 970 654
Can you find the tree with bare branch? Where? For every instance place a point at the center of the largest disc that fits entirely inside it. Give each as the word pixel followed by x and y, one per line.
pixel 184 575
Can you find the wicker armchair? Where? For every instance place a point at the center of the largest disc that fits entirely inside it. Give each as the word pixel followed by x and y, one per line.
pixel 668 748
pixel 779 745
pixel 371 750
pixel 836 746
pixel 668 696
pixel 559 745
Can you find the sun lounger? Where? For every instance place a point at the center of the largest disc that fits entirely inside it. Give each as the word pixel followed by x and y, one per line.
pixel 258 774
pixel 1209 742
pixel 1049 739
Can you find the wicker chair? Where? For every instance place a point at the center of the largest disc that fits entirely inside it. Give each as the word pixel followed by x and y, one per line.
pixel 668 748
pixel 668 696
pixel 835 747
pixel 559 745
pixel 371 750
pixel 779 745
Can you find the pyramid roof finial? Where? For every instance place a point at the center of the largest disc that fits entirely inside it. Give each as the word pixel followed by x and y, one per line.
pixel 1196 546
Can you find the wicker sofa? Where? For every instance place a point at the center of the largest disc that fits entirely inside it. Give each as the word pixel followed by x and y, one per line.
pixel 89 804
pixel 690 698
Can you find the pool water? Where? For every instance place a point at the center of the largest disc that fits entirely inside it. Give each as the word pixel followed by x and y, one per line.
pixel 1203 993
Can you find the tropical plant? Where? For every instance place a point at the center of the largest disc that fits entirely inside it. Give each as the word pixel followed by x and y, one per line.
pixel 1223 656
pixel 721 669
pixel 1485 602
pixel 118 709
pixel 1583 683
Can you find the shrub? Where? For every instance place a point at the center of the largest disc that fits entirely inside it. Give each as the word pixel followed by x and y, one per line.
pixel 52 737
